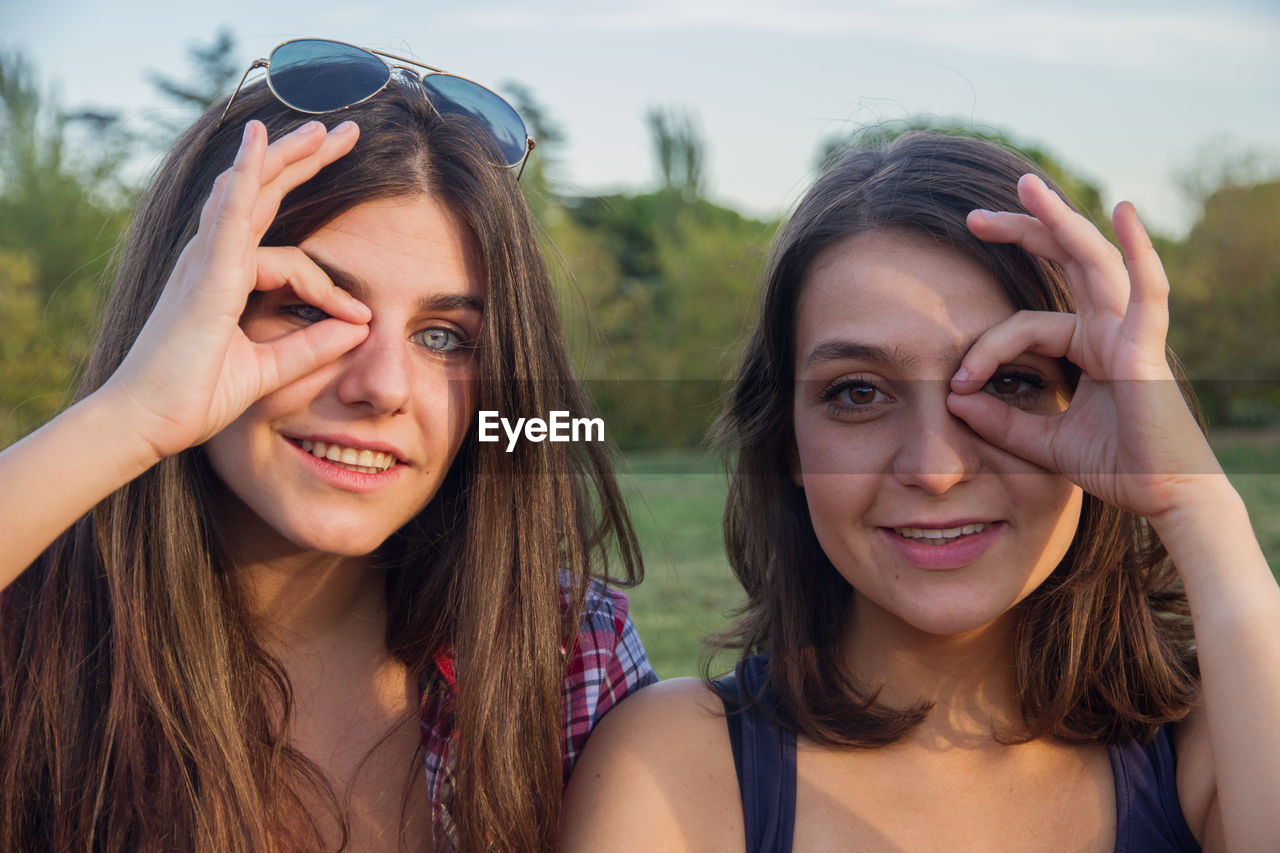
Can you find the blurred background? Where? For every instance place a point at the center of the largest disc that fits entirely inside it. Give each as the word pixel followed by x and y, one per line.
pixel 672 137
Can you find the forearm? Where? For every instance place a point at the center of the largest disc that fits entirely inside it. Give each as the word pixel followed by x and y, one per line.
pixel 1235 606
pixel 59 472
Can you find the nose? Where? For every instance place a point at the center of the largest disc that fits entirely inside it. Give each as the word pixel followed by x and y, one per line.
pixel 376 374
pixel 937 450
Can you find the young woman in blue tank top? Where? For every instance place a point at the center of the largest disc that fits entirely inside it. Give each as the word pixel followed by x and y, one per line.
pixel 964 474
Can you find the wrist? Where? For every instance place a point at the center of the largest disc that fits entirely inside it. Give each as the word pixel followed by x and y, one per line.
pixel 1195 500
pixel 118 428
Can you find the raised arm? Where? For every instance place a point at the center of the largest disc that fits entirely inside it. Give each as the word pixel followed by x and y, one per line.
pixel 191 370
pixel 1128 438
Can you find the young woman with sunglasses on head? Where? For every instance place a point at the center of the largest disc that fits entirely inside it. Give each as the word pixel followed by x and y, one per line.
pixel 263 588
pixel 963 476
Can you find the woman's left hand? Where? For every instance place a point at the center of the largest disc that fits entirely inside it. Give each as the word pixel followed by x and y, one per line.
pixel 1127 436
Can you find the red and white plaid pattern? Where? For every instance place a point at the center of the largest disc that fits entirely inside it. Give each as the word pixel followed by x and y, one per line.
pixel 607 661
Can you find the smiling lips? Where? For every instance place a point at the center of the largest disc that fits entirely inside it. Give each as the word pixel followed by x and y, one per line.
pixel 938 535
pixel 362 460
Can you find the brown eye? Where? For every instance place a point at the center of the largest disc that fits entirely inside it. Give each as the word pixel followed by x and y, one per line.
pixel 1015 384
pixel 852 393
pixel 858 393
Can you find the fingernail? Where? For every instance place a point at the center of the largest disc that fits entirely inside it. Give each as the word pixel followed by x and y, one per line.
pixel 345 127
pixel 962 375
pixel 246 138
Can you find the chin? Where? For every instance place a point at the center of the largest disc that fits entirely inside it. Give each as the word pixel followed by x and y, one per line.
pixel 339 545
pixel 954 619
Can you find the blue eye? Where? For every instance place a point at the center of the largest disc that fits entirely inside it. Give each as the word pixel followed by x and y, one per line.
pixel 440 339
pixel 304 312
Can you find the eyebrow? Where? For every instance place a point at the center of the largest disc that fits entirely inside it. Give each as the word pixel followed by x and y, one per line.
pixel 855 351
pixel 360 289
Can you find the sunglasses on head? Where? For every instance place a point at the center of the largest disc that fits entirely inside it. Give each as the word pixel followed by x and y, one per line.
pixel 322 76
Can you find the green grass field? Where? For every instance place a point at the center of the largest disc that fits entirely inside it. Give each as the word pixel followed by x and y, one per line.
pixel 676 500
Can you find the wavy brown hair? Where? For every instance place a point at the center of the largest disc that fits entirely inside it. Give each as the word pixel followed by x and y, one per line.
pixel 138 709
pixel 1102 648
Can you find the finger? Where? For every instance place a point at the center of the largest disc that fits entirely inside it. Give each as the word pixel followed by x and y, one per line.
pixel 296 172
pixel 302 141
pixel 1105 283
pixel 293 356
pixel 280 266
pixel 1033 235
pixel 212 203
pixel 1042 332
pixel 228 225
pixel 1147 318
pixel 1021 433
pixel 1020 229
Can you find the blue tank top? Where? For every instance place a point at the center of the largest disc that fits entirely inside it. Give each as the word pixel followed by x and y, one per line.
pixel 1148 817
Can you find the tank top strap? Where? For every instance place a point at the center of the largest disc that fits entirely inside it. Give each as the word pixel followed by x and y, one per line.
pixel 764 756
pixel 1148 815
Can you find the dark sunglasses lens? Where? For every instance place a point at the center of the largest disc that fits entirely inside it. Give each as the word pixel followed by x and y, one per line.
pixel 317 76
pixel 455 96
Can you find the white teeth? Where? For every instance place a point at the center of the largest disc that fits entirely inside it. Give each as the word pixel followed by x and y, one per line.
pixel 352 458
pixel 938 535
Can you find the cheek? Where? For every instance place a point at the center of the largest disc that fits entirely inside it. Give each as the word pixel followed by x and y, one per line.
pixel 1055 504
pixel 240 454
pixel 828 447
pixel 837 505
pixel 446 407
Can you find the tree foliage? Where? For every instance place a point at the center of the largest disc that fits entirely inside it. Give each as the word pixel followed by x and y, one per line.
pixel 215 68
pixel 1225 303
pixel 655 287
pixel 62 207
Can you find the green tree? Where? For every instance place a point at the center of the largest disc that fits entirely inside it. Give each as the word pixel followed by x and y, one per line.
pixel 679 149
pixel 539 168
pixel 1225 303
pixel 62 207
pixel 215 70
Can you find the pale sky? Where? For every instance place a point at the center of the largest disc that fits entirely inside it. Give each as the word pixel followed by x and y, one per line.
pixel 1128 93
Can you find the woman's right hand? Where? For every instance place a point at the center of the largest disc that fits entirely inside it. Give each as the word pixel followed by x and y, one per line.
pixel 192 370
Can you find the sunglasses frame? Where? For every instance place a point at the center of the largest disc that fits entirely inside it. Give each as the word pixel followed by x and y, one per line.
pixel 392 67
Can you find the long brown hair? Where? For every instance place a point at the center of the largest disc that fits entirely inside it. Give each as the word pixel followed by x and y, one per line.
pixel 138 709
pixel 1103 648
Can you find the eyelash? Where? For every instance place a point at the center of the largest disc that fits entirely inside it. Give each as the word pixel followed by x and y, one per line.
pixel 841 409
pixel 302 311
pixel 1036 382
pixel 838 408
pixel 457 341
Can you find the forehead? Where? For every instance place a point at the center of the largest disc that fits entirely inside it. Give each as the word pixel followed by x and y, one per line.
pixel 900 292
pixel 403 243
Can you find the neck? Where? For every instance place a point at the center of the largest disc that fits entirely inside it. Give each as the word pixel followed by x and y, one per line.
pixel 301 600
pixel 967 678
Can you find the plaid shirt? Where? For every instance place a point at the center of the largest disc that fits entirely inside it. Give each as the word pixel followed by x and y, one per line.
pixel 607 661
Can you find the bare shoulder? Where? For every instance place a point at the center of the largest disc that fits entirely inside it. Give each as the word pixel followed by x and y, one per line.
pixel 1197 782
pixel 657 774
